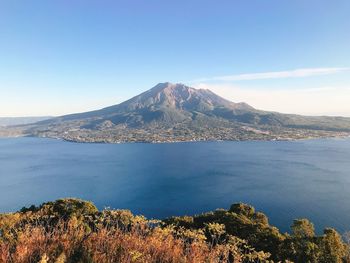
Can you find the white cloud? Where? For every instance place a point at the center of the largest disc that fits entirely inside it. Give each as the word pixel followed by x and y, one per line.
pixel 296 73
pixel 326 100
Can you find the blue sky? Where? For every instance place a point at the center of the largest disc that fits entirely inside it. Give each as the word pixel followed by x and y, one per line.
pixel 58 57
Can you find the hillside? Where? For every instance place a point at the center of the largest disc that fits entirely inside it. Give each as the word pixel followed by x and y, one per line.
pixel 72 230
pixel 175 112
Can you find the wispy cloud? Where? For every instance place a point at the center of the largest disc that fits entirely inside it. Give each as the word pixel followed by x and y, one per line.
pixel 296 73
pixel 313 100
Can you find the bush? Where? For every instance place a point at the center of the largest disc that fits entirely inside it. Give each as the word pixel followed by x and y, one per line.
pixel 73 230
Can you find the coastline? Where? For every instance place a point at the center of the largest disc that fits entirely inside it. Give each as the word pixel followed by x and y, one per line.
pixel 335 137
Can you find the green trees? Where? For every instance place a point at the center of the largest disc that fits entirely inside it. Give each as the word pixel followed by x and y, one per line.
pixel 303 228
pixel 301 246
pixel 305 246
pixel 333 250
pixel 240 221
pixel 242 209
pixel 68 207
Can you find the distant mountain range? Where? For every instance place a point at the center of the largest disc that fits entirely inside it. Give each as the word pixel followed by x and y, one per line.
pixel 10 121
pixel 175 112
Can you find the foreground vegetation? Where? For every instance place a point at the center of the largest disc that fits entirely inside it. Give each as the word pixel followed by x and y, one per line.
pixel 72 230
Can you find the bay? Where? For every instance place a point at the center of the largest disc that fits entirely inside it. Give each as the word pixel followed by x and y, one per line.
pixel 284 179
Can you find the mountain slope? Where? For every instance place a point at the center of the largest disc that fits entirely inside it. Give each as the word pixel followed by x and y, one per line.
pixel 173 112
pixel 166 102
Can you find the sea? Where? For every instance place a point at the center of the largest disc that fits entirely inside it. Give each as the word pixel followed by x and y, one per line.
pixel 285 180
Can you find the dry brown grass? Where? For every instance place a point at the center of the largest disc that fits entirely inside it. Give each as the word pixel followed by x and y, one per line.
pixel 115 236
pixel 74 231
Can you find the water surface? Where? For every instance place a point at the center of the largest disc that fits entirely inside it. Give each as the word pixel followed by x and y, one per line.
pixel 285 180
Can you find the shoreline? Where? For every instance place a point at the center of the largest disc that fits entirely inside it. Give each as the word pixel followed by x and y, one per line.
pixel 344 137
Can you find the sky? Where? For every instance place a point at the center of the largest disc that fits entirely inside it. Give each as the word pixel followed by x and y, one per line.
pixel 64 56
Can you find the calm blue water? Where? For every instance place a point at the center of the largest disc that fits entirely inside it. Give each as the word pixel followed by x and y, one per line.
pixel 286 180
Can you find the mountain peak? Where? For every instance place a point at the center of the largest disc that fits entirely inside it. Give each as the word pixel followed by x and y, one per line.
pixel 180 97
pixel 169 86
pixel 166 94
